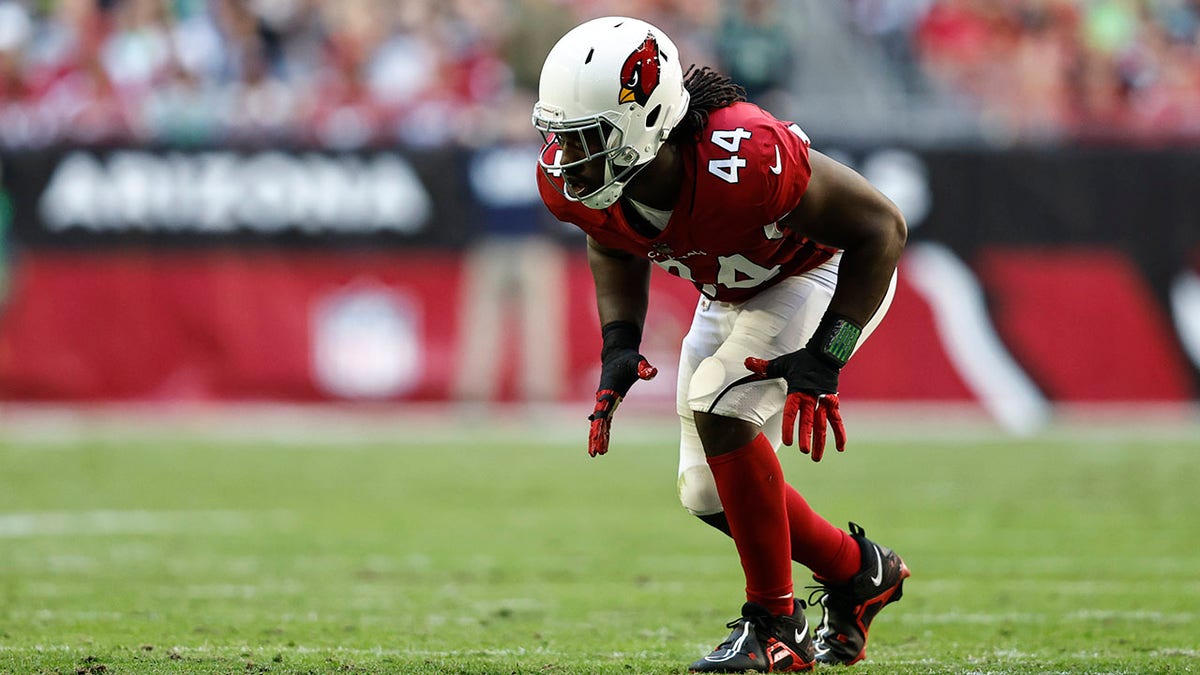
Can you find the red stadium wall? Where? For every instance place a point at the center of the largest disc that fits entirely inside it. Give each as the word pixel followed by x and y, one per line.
pixel 903 360
pixel 224 325
pixel 1085 324
pixel 224 274
pixel 329 326
pixel 386 326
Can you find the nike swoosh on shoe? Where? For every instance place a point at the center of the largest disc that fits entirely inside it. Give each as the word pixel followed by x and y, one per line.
pixel 877 579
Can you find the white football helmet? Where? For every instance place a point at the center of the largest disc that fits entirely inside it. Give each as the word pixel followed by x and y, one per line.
pixel 619 79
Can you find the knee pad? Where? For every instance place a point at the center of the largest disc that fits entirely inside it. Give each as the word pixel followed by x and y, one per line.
pixel 698 491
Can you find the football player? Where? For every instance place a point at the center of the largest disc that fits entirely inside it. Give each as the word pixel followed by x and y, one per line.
pixel 794 256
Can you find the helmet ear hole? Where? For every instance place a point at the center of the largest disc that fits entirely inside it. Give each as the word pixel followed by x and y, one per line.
pixel 653 116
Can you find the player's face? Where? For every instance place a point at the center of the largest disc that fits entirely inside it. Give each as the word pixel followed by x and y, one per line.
pixel 586 176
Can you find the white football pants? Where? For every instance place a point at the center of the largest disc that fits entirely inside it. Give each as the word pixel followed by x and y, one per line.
pixel 713 376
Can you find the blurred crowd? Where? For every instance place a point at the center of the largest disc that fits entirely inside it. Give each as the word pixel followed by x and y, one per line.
pixel 353 73
pixel 341 73
pixel 1044 69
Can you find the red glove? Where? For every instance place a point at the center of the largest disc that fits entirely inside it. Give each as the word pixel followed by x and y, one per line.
pixel 621 366
pixel 806 376
pixel 811 374
pixel 607 400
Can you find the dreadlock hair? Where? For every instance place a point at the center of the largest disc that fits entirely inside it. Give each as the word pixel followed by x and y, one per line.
pixel 709 90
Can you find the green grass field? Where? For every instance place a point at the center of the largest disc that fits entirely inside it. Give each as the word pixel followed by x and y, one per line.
pixel 513 552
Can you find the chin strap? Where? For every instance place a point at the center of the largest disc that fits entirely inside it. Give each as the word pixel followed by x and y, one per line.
pixel 611 192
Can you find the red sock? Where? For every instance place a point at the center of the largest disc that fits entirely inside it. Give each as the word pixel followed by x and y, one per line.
pixel 829 552
pixel 752 491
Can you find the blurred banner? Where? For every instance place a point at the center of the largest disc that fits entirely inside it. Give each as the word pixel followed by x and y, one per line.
pixel 83 198
pixel 1069 275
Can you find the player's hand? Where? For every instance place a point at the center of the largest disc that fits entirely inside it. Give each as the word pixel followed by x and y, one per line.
pixel 619 371
pixel 812 384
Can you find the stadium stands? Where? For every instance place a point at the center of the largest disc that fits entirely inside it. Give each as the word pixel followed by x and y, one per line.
pixel 422 73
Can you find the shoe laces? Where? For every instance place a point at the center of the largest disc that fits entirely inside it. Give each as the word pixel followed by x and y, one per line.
pixel 766 620
pixel 817 594
pixel 756 620
pixel 732 625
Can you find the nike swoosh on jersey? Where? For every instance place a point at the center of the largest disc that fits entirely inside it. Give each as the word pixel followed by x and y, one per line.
pixel 778 168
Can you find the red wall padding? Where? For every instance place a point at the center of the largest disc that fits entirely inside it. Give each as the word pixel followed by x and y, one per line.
pixel 198 326
pixel 1084 324
pixel 240 325
pixel 903 360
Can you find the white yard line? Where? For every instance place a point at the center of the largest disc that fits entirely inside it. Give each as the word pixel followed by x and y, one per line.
pixel 76 523
pixel 985 618
pixel 202 650
pixel 338 426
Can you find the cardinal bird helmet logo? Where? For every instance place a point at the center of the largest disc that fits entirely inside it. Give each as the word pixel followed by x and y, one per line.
pixel 640 73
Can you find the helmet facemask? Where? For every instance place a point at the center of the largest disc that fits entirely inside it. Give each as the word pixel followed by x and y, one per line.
pixel 600 139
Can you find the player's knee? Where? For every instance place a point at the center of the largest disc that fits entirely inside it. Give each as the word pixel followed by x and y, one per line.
pixel 706 383
pixel 698 491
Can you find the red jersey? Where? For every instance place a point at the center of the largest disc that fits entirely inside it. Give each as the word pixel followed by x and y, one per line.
pixel 747 171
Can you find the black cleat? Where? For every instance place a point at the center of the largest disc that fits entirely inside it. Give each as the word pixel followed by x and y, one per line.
pixel 762 643
pixel 848 608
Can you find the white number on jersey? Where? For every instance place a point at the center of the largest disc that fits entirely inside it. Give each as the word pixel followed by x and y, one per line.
pixel 738 271
pixel 683 272
pixel 726 169
pixel 731 140
pixel 733 271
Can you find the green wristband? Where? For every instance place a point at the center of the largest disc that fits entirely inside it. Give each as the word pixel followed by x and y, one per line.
pixel 835 338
